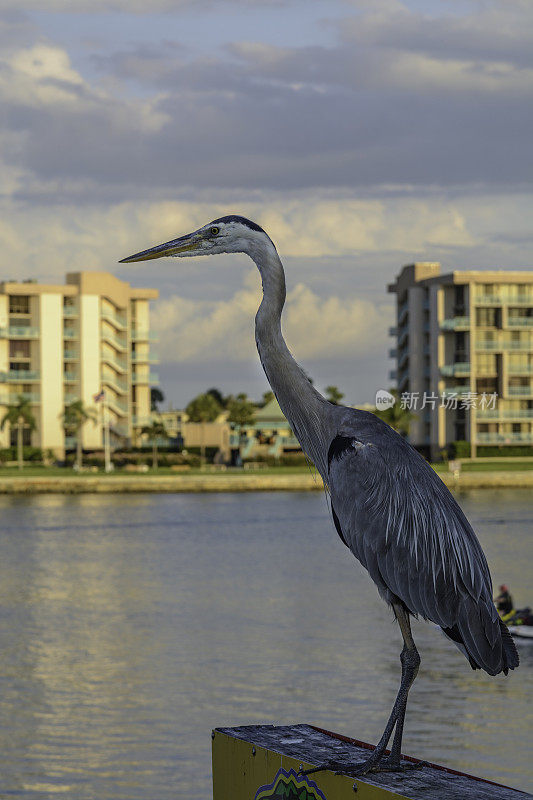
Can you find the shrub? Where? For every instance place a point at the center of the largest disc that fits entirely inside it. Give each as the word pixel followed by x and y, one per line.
pixel 459 449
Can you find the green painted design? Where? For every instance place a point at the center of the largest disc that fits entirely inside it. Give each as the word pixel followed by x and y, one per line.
pixel 290 786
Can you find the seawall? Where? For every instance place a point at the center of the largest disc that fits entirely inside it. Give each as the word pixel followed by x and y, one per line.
pixel 106 484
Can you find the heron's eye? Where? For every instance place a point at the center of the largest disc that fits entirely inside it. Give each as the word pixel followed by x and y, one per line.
pixel 214 231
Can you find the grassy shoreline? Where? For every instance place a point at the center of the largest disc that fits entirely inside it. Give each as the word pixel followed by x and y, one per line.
pixel 49 481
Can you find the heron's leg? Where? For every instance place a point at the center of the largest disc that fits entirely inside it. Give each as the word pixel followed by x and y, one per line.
pixel 410 661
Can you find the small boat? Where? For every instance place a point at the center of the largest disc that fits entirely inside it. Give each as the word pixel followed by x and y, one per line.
pixel 521 631
pixel 520 623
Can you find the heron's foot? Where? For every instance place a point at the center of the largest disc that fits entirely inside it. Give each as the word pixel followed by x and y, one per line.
pixel 372 764
pixel 346 768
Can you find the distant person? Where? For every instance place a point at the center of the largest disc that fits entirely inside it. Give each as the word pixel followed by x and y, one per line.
pixel 504 601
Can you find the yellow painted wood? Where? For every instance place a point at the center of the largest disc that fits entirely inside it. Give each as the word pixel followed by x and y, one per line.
pixel 240 769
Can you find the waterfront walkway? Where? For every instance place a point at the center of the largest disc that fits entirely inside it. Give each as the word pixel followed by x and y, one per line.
pixel 226 482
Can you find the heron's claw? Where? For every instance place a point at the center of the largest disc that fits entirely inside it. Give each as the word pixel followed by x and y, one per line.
pixel 370 765
pixel 342 768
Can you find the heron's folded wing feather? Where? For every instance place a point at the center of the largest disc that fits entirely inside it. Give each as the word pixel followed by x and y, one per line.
pixel 404 526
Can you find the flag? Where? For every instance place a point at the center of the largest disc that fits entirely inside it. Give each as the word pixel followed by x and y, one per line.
pixel 99 396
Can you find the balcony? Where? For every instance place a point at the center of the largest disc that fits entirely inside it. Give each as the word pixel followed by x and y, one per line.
pixel 146 377
pixel 119 429
pixel 455 324
pixel 456 390
pixel 404 335
pixel 488 299
pixel 20 376
pixel 505 438
pixel 146 358
pixel 520 322
pixel 71 376
pixel 503 297
pixel 403 358
pixel 70 333
pixel 523 344
pixel 140 422
pixel 71 397
pixel 138 335
pixel 118 406
pixel 393 331
pixel 460 368
pixel 491 345
pixel 520 391
pixel 19 332
pixel 393 353
pixel 117 320
pixel 120 366
pixel 499 413
pixel 70 355
pixel 107 336
pixel 520 369
pixel 115 383
pixel 70 312
pixel 8 399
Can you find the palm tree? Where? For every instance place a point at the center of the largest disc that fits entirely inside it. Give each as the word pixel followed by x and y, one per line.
pixel 155 431
pixel 74 418
pixel 397 417
pixel 156 397
pixel 334 395
pixel 19 416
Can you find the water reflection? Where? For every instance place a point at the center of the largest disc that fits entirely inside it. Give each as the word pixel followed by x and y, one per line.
pixel 132 625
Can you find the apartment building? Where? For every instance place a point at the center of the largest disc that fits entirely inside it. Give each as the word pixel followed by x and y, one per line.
pixel 464 356
pixel 68 342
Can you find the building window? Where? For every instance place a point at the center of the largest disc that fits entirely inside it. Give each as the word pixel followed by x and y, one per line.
pixel 459 300
pixel 19 304
pixel 487 385
pixel 488 317
pixel 487 364
pixel 26 437
pixel 19 349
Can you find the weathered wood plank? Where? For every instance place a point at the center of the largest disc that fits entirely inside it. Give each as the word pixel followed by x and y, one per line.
pixel 248 760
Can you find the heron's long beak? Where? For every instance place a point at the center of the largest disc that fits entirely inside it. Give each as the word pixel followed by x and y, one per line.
pixel 172 248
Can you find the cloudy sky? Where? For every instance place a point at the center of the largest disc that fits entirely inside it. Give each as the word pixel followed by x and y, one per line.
pixel 362 134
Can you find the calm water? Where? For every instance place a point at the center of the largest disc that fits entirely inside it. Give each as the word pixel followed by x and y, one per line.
pixel 130 626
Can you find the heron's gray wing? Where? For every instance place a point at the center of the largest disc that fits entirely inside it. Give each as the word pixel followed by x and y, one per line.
pixel 402 523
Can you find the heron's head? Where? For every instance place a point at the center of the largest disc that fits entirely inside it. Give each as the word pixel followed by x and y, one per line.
pixel 231 234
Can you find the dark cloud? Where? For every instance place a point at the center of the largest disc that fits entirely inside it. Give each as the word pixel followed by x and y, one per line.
pixel 389 104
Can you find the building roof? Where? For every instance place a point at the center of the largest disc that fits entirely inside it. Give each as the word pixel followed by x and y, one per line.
pixel 270 413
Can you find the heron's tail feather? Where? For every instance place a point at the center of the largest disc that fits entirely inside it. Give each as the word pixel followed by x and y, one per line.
pixel 510 653
pixel 483 638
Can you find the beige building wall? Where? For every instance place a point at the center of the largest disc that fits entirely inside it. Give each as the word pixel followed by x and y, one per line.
pixel 472 336
pixel 90 377
pixel 50 431
pixel 64 343
pixel 4 364
pixel 208 434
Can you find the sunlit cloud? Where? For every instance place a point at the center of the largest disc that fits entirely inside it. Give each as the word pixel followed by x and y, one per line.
pixel 315 327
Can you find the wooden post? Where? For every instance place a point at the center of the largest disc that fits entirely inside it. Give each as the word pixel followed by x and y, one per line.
pixel 263 762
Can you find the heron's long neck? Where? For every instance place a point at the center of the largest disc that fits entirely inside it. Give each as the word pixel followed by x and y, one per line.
pixel 308 413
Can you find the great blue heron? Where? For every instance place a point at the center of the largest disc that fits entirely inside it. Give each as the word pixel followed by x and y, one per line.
pixel 388 505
